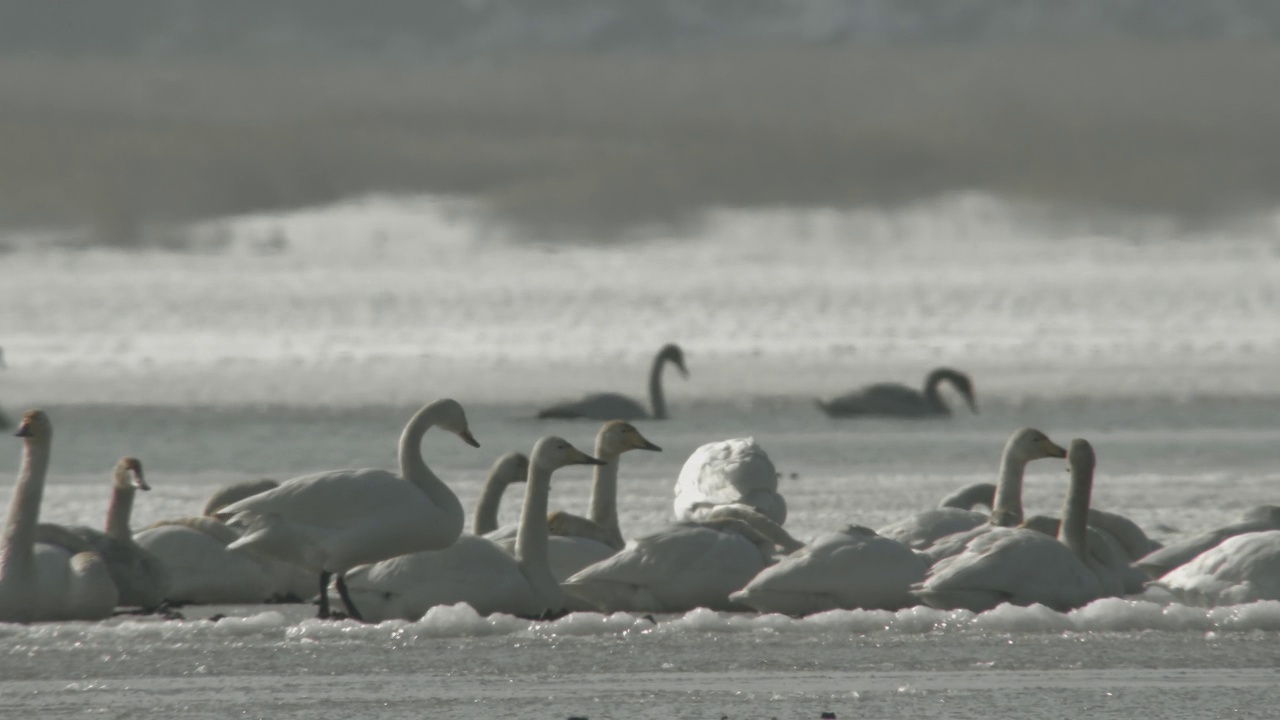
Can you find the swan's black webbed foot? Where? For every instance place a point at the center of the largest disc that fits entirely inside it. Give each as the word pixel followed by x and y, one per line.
pixel 546 615
pixel 216 618
pixel 352 612
pixel 650 618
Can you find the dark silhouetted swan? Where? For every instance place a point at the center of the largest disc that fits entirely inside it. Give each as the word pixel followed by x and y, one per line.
pixel 614 406
pixel 898 400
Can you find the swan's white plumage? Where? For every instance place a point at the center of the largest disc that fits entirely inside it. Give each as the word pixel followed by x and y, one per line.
pixel 141 579
pixel 684 566
pixel 726 472
pixel 474 569
pixel 844 569
pixel 1241 569
pixel 1023 566
pixel 923 531
pixel 335 520
pixel 202 571
pixel 1162 561
pixel 40 581
pixel 575 541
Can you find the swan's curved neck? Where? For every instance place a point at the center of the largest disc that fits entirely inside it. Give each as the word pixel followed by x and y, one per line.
pixel 486 517
pixel 1075 512
pixel 17 544
pixel 415 470
pixel 533 538
pixel 603 508
pixel 656 397
pixel 1006 509
pixel 118 512
pixel 931 393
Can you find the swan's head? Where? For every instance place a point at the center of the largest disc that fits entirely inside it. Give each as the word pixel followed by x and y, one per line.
pixel 1030 444
pixel 552 452
pixel 35 425
pixel 1080 457
pixel 450 416
pixel 618 436
pixel 128 474
pixel 510 468
pixel 672 353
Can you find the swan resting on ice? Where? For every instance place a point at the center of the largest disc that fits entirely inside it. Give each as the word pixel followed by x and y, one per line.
pixel 39 581
pixel 475 570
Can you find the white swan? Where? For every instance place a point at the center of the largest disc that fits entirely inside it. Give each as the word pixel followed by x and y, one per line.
pixel 898 400
pixel 139 576
pixel 475 570
pixel 40 581
pixel 577 542
pixel 613 406
pixel 686 565
pixel 1022 566
pixel 922 530
pixel 202 571
pixel 734 471
pixel 1241 569
pixel 846 569
pixel 507 469
pixel 233 492
pixel 1162 561
pixel 330 522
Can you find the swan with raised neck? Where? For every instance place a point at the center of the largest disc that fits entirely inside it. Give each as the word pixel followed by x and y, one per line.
pixel 507 469
pixel 63 585
pixel 615 406
pixel 532 554
pixel 889 399
pixel 945 530
pixel 330 522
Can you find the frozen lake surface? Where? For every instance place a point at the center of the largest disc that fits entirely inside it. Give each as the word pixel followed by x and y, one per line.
pixel 310 338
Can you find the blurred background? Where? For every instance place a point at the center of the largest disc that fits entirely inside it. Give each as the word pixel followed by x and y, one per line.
pixel 515 201
pixel 592 119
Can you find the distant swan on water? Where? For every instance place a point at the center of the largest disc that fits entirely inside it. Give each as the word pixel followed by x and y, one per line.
pixel 332 521
pixel 140 576
pixel 475 570
pixel 40 581
pixel 898 400
pixel 615 406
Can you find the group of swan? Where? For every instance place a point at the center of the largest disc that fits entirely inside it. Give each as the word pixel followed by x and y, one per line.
pixel 40 581
pixel 392 545
pixel 884 399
